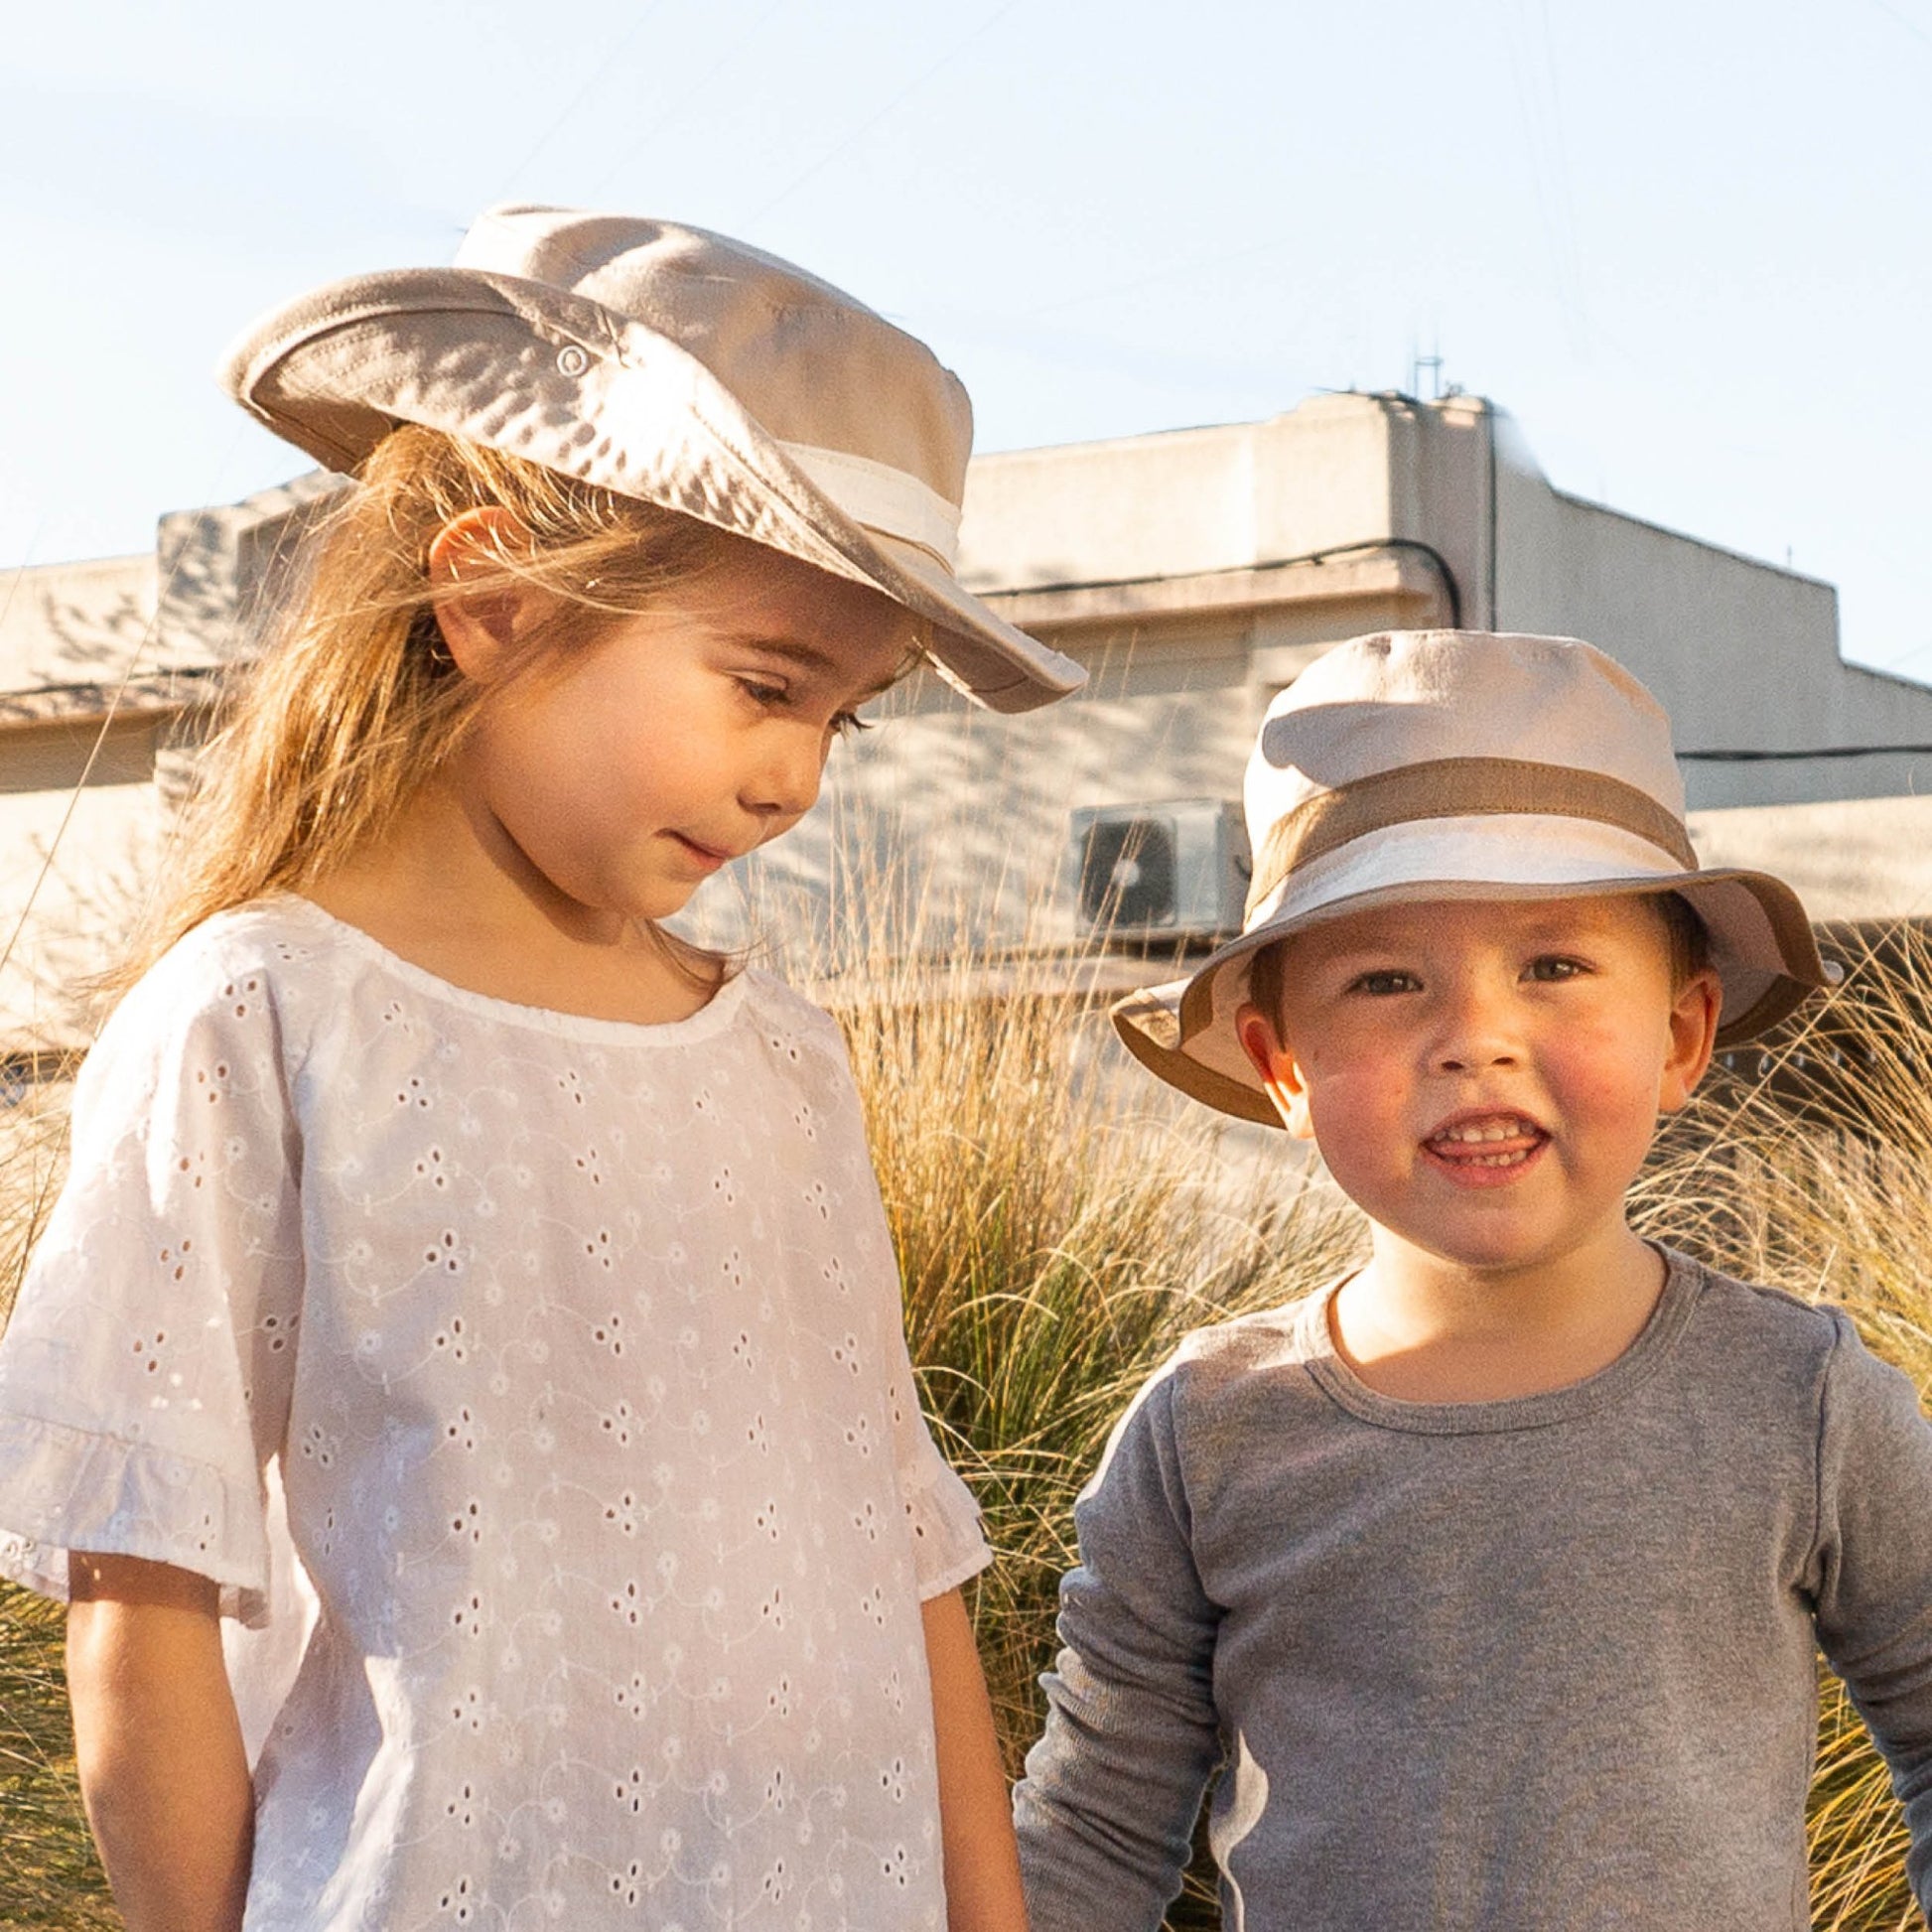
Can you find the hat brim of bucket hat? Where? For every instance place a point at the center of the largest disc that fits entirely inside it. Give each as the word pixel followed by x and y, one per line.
pixel 1761 948
pixel 483 356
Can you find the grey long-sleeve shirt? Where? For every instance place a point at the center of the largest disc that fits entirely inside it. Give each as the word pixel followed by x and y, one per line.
pixel 1545 1663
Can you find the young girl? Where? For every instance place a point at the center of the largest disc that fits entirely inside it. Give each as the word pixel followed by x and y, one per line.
pixel 533 1257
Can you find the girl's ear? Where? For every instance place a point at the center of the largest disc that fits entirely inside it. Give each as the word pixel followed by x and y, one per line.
pixel 482 627
pixel 1281 1072
pixel 1694 1016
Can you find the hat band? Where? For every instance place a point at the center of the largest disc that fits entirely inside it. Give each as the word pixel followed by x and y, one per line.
pixel 1458 788
pixel 891 502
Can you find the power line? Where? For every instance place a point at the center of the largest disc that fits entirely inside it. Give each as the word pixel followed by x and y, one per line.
pixel 695 97
pixel 1451 591
pixel 1816 752
pixel 600 73
pixel 1910 26
pixel 890 107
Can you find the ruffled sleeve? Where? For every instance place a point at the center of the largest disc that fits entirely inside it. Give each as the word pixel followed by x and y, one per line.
pixel 948 1545
pixel 146 1372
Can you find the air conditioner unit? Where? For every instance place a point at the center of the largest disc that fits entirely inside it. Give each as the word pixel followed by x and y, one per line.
pixel 1176 870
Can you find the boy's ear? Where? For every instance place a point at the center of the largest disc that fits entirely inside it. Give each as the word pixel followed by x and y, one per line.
pixel 1280 1070
pixel 482 628
pixel 1693 1017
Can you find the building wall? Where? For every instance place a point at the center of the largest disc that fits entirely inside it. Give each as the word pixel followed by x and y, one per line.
pixel 73 870
pixel 1846 857
pixel 1178 504
pixel 1194 572
pixel 71 624
pixel 79 808
pixel 1745 655
pixel 1098 548
pixel 1741 655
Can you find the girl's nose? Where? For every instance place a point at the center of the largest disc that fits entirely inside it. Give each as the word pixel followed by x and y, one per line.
pixel 786 782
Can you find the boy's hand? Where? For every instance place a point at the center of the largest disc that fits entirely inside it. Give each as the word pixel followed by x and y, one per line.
pixel 158 1746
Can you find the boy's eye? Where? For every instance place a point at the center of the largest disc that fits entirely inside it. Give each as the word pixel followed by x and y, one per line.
pixel 848 722
pixel 760 692
pixel 1384 981
pixel 1554 966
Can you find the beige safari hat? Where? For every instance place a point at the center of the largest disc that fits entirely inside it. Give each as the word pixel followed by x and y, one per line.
pixel 1433 765
pixel 674 365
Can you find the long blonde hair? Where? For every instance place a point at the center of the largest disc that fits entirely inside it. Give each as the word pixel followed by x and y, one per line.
pixel 355 703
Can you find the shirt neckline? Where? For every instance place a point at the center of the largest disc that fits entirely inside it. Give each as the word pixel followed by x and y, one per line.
pixel 713 1017
pixel 1653 1346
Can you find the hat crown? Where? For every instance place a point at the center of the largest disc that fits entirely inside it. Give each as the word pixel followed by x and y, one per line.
pixel 1402 699
pixel 812 364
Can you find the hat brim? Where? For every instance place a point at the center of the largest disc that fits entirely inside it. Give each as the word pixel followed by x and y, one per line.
pixel 481 355
pixel 1762 949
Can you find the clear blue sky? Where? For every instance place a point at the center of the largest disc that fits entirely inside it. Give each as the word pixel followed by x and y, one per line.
pixel 1685 242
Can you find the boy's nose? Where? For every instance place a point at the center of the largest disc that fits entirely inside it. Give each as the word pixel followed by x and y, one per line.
pixel 1476 1035
pixel 1473 1059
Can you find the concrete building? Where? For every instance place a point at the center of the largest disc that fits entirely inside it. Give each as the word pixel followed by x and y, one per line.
pixel 85 714
pixel 1194 572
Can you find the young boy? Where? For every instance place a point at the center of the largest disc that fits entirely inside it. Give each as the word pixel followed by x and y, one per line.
pixel 1490 1578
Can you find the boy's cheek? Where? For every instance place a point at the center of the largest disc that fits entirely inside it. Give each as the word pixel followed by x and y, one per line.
pixel 1353 1124
pixel 1604 1074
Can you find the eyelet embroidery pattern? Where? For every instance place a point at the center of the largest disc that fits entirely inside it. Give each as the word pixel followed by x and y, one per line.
pixel 581 1348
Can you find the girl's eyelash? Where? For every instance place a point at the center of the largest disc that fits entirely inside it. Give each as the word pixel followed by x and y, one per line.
pixel 843 723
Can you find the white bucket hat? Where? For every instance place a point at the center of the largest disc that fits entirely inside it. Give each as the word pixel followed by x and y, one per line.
pixel 1435 765
pixel 676 367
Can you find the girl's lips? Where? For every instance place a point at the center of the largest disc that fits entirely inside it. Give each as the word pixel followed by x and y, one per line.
pixel 709 857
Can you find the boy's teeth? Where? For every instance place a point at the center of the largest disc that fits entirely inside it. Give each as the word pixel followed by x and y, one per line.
pixel 1482 1142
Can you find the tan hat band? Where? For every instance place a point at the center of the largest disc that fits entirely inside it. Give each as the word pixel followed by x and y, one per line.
pixel 1458 788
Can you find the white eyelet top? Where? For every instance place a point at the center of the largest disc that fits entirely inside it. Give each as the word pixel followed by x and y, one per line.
pixel 576 1347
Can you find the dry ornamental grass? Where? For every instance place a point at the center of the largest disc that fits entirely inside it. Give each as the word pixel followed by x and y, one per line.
pixel 1059 1233
pixel 48 1874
